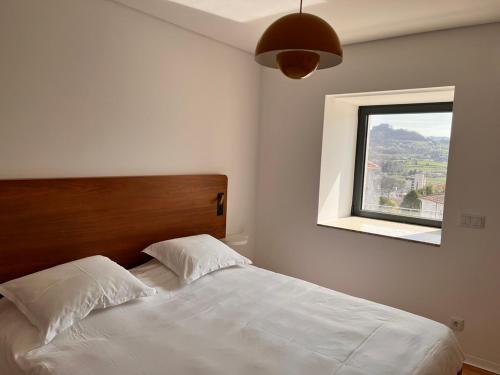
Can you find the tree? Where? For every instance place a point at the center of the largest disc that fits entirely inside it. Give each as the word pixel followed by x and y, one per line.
pixel 389 184
pixel 427 190
pixel 393 166
pixel 411 201
pixel 383 201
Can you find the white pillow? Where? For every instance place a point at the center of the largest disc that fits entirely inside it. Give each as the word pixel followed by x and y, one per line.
pixel 192 257
pixel 56 298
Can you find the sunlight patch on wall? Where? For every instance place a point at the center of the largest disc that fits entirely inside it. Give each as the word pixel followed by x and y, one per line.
pixel 245 10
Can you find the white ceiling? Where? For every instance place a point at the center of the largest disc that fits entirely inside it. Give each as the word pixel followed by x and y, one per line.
pixel 240 23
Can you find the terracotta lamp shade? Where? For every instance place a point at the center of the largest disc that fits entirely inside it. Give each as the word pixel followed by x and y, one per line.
pixel 298 44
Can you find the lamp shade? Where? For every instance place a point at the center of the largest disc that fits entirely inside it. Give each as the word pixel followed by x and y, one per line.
pixel 298 44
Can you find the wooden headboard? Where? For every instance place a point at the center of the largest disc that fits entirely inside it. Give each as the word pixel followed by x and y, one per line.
pixel 52 221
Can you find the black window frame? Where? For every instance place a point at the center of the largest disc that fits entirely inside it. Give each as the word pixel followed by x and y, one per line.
pixel 359 173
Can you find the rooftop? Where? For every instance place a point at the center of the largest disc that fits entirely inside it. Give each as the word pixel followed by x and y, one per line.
pixel 436 198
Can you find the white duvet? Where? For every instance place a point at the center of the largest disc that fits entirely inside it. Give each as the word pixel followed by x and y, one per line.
pixel 242 320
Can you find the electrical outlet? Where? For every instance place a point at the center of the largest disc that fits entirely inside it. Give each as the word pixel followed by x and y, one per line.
pixel 457 324
pixel 472 221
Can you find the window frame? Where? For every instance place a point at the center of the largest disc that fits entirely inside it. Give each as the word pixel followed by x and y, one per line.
pixel 361 142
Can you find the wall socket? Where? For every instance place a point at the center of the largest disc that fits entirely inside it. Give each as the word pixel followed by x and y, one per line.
pixel 472 221
pixel 457 323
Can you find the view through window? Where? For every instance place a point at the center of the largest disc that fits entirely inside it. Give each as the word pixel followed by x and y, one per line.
pixel 404 162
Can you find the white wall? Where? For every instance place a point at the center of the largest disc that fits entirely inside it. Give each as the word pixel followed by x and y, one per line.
pixel 459 278
pixel 92 88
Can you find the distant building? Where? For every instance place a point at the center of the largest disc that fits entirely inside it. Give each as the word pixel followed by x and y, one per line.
pixel 416 182
pixel 432 206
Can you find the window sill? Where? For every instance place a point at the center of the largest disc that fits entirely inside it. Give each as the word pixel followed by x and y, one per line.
pixel 401 231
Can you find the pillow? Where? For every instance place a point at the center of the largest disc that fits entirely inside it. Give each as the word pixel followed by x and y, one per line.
pixel 193 257
pixel 56 298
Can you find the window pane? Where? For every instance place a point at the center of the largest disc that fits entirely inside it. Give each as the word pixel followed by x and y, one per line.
pixel 406 164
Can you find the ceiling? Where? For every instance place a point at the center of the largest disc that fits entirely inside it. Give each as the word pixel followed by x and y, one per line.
pixel 240 23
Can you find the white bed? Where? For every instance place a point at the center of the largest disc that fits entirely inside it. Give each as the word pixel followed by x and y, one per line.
pixel 241 320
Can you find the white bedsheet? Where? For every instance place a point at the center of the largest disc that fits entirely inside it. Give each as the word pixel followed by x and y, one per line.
pixel 242 320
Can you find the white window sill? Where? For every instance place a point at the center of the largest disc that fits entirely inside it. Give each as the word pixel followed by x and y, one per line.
pixel 408 232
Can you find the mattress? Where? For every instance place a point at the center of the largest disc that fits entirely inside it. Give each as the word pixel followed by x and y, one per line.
pixel 241 320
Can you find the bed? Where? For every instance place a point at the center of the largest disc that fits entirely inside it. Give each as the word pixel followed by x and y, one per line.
pixel 240 320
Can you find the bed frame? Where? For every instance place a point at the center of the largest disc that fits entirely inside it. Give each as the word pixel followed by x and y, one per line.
pixel 52 221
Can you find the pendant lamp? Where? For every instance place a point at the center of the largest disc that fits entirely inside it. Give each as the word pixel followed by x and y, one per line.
pixel 298 44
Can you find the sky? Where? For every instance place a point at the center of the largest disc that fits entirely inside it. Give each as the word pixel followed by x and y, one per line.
pixel 427 124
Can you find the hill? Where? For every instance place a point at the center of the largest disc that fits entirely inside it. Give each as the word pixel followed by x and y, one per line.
pixel 387 143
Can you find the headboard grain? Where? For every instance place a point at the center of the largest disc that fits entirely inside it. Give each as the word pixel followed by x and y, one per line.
pixel 52 221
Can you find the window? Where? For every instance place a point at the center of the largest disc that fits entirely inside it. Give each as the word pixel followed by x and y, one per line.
pixel 401 162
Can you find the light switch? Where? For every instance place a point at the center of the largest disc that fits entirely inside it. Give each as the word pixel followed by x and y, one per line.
pixel 473 221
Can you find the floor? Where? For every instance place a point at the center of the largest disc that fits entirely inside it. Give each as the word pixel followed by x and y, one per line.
pixel 469 370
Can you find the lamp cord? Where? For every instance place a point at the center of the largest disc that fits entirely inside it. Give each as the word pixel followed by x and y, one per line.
pixel 300 6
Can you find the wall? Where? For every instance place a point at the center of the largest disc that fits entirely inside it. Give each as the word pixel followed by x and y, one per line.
pixel 92 88
pixel 459 278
